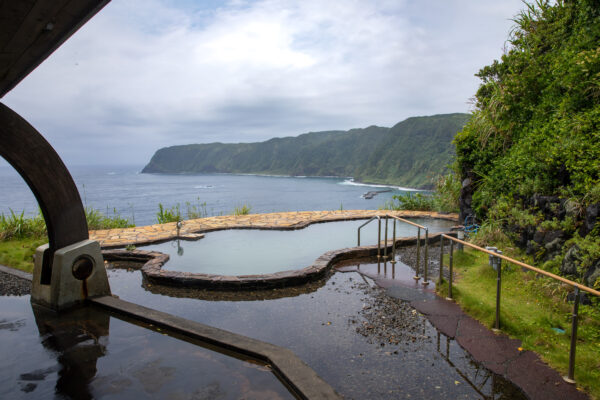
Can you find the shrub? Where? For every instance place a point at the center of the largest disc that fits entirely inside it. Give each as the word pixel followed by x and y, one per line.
pixel 242 210
pixel 165 215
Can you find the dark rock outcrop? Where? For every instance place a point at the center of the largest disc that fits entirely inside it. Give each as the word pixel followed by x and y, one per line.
pixel 592 214
pixel 570 262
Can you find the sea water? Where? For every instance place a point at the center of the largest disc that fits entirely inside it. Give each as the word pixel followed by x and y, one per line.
pixel 132 195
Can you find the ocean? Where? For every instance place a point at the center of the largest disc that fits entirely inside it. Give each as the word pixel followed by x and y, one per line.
pixel 124 190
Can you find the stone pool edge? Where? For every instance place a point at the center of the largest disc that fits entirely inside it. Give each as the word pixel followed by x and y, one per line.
pixel 293 220
pixel 154 261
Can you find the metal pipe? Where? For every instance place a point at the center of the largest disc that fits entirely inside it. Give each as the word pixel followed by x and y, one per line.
pixel 386 241
pixel 425 281
pixel 498 263
pixel 441 260
pixel 571 377
pixel 408 222
pixel 450 268
pixel 360 227
pixel 394 245
pixel 379 239
pixel 416 277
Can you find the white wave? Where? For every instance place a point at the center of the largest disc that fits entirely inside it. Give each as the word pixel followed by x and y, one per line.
pixel 111 173
pixel 204 187
pixel 351 182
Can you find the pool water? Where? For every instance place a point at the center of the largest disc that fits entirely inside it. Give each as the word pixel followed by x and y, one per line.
pixel 253 251
pixel 90 353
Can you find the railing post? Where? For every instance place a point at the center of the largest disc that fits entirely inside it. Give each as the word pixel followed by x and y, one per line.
pixel 425 281
pixel 358 243
pixel 571 377
pixel 394 245
pixel 441 260
pixel 386 241
pixel 497 261
pixel 378 238
pixel 450 268
pixel 416 277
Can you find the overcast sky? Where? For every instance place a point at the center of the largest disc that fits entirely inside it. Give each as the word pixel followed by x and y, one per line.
pixel 144 74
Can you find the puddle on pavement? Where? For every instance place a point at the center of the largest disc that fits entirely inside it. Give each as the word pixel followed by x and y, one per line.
pixel 90 353
pixel 362 342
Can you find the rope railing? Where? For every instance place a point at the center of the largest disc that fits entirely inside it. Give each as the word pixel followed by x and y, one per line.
pixel 495 260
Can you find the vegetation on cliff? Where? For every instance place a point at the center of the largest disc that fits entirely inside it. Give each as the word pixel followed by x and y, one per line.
pixel 529 157
pixel 410 153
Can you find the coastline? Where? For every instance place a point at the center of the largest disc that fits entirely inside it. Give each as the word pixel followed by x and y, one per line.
pixel 351 180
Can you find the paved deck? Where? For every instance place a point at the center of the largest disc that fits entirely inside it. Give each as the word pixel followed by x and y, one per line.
pixel 497 352
pixel 111 238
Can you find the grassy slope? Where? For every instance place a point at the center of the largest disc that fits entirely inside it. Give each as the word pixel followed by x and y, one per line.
pixel 18 253
pixel 530 307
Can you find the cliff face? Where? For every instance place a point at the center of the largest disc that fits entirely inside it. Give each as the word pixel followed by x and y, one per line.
pixel 410 153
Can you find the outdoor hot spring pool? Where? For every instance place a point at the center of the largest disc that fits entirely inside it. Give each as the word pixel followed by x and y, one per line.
pixel 252 251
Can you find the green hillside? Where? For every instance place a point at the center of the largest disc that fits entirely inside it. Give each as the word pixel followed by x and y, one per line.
pixel 530 156
pixel 409 154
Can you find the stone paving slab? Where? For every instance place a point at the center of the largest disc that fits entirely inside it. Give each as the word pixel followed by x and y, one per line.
pixel 112 238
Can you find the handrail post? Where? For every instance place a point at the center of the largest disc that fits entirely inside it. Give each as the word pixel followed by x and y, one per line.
pixel 497 261
pixel 386 241
pixel 358 243
pixel 441 260
pixel 394 244
pixel 416 277
pixel 450 268
pixel 571 377
pixel 379 238
pixel 425 281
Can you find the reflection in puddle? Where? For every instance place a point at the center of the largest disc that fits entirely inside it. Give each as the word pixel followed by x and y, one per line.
pixel 89 353
pixel 391 357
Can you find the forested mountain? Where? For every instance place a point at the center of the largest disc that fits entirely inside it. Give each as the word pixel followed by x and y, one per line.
pixel 409 154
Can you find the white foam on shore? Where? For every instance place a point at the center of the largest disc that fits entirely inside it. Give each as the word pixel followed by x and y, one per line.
pixel 351 182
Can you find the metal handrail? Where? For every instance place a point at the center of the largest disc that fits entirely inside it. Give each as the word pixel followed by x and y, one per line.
pixel 377 217
pixel 496 259
pixel 408 222
pixel 417 267
pixel 393 261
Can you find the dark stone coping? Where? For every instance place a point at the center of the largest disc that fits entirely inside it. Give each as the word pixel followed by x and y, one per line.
pixel 291 370
pixel 154 261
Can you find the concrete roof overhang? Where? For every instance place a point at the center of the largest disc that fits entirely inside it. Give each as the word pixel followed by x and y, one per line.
pixel 30 30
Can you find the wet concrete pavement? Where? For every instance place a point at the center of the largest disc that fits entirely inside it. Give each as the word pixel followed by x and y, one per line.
pixel 496 351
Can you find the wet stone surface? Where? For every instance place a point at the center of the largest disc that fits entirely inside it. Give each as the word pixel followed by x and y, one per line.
pixel 362 342
pixel 91 354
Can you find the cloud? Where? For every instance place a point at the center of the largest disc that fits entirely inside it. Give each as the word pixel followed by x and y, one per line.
pixel 146 74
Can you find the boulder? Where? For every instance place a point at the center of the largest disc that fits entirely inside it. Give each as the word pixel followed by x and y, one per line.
pixel 571 261
pixel 592 212
pixel 550 206
pixel 592 274
pixel 465 198
pixel 553 248
pixel 583 298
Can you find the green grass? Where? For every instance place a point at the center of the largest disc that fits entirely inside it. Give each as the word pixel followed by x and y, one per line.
pixel 530 307
pixel 242 210
pixel 18 253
